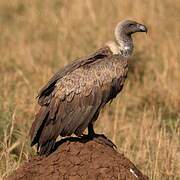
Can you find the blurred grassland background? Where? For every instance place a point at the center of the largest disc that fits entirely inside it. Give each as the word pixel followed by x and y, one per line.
pixel 39 37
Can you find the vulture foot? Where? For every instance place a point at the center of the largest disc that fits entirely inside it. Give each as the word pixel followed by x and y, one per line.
pixel 102 139
pixel 99 138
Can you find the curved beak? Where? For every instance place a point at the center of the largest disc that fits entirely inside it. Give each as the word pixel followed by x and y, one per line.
pixel 142 28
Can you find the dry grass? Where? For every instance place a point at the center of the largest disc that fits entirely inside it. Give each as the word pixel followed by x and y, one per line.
pixel 39 37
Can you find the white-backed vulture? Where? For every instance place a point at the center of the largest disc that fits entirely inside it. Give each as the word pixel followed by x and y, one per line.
pixel 72 99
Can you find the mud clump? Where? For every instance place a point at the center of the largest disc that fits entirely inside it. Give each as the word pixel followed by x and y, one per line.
pixel 75 160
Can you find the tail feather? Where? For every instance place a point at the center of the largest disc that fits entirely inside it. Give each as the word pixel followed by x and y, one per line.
pixel 46 148
pixel 36 132
pixel 38 125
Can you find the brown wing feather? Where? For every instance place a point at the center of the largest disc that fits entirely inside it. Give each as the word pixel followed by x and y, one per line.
pixel 76 99
pixel 50 110
pixel 72 119
pixel 45 93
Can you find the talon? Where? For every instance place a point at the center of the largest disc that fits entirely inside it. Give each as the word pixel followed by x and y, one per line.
pixel 104 140
pixel 99 138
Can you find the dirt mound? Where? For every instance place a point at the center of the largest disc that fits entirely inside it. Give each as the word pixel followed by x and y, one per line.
pixel 75 160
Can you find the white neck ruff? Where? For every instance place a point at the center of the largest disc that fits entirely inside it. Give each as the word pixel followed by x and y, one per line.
pixel 123 49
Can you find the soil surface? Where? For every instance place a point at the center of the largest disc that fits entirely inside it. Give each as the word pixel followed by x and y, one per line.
pixel 78 160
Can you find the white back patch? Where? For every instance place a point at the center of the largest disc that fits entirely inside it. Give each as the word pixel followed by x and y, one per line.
pixel 113 47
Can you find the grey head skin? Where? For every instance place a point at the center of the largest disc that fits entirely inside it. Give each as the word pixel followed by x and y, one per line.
pixel 123 36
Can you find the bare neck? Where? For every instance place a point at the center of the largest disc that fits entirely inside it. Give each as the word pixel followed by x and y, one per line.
pixel 126 46
pixel 123 41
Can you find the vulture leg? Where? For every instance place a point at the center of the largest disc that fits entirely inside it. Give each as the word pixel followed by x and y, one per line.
pixel 99 138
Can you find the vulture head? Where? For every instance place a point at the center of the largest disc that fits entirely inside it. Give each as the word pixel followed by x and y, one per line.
pixel 129 27
pixel 123 32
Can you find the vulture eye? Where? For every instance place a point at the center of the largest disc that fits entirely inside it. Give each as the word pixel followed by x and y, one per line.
pixel 130 25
